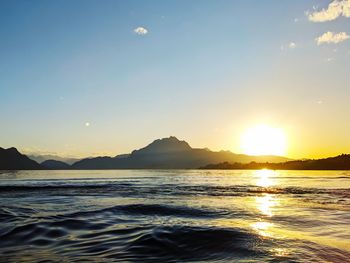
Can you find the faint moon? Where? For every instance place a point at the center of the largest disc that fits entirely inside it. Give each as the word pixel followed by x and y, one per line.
pixel 87 124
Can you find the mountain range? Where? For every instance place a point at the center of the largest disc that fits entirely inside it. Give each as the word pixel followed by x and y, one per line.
pixel 166 153
pixel 172 153
pixel 169 153
pixel 39 158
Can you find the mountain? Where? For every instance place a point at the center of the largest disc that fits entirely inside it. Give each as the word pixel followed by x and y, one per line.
pixel 11 159
pixel 169 153
pixel 163 146
pixel 45 157
pixel 341 162
pixel 55 165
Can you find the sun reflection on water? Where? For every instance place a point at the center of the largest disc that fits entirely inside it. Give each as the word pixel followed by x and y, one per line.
pixel 262 228
pixel 281 252
pixel 264 178
pixel 264 203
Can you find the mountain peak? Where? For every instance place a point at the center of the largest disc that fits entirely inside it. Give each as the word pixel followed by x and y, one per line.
pixel 165 145
pixel 13 150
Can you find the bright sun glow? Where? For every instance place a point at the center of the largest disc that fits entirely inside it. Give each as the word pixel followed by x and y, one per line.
pixel 264 140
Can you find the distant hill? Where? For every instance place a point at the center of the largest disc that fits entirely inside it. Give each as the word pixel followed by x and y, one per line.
pixel 44 157
pixel 169 153
pixel 341 162
pixel 11 159
pixel 55 165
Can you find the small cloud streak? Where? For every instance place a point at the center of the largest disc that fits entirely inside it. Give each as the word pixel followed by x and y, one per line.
pixel 330 37
pixel 334 10
pixel 292 45
pixel 141 31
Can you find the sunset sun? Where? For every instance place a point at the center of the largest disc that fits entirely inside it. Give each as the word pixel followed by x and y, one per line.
pixel 264 140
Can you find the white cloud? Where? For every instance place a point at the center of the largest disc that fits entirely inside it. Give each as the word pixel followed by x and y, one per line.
pixel 141 31
pixel 292 45
pixel 330 37
pixel 334 10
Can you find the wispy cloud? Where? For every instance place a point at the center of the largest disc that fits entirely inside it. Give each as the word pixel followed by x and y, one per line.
pixel 330 37
pixel 141 30
pixel 292 45
pixel 334 10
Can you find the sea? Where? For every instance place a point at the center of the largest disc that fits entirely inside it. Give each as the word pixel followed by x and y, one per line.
pixel 174 216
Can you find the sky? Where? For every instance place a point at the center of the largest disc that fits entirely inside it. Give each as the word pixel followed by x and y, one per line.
pixel 86 78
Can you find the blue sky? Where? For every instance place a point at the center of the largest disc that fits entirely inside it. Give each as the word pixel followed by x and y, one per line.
pixel 204 72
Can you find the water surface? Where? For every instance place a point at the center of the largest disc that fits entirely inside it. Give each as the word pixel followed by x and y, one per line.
pixel 175 216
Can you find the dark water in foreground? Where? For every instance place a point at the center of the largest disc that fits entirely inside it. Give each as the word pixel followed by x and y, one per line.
pixel 175 216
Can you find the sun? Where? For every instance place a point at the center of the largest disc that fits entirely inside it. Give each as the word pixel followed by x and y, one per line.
pixel 264 140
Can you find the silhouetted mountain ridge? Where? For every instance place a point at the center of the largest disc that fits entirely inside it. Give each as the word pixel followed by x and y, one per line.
pixel 168 153
pixel 55 165
pixel 171 153
pixel 12 159
pixel 340 162
pixel 39 158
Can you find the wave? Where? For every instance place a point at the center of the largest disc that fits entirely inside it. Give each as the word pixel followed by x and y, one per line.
pixel 146 243
pixel 151 191
pixel 194 243
pixel 74 240
pixel 7 215
pixel 154 210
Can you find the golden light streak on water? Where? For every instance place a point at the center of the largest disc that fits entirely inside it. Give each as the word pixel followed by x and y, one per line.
pixel 264 178
pixel 262 228
pixel 265 204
